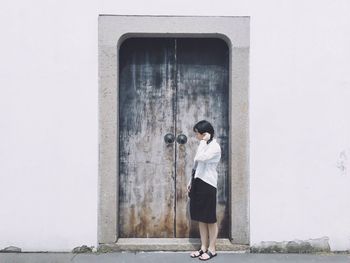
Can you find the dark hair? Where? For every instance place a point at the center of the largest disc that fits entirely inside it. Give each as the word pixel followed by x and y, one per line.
pixel 203 127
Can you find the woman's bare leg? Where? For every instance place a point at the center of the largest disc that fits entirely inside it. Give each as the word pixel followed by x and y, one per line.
pixel 204 233
pixel 213 233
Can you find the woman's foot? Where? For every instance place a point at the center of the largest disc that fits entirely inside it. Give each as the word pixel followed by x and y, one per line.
pixel 207 255
pixel 197 254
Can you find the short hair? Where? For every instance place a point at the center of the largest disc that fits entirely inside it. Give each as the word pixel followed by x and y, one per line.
pixel 203 127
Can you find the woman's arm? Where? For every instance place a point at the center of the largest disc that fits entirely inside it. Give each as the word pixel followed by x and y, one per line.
pixel 208 155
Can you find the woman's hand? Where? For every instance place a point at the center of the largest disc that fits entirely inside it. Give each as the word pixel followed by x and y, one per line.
pixel 206 136
pixel 189 188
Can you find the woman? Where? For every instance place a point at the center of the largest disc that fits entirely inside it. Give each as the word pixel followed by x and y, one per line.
pixel 203 189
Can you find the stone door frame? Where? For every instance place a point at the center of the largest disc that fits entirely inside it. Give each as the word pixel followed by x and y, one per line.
pixel 113 30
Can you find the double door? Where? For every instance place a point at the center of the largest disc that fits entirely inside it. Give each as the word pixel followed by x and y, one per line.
pixel 166 85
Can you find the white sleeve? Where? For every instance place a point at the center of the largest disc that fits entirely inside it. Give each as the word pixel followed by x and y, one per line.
pixel 208 155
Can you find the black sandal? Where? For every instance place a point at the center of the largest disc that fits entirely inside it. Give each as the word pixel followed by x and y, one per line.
pixel 211 255
pixel 201 252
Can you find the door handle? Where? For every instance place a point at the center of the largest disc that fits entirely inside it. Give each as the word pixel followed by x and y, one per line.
pixel 169 138
pixel 181 139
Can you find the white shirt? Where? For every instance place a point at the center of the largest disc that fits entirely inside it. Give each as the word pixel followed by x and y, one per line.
pixel 206 161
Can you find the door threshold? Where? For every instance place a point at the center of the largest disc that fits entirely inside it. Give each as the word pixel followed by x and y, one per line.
pixel 168 244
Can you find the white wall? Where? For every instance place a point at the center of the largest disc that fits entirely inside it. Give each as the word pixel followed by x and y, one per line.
pixel 299 89
pixel 300 94
pixel 48 124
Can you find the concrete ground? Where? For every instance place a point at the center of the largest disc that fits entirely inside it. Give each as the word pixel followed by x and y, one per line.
pixel 167 257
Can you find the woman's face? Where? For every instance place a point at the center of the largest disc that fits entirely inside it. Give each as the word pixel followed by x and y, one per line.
pixel 199 136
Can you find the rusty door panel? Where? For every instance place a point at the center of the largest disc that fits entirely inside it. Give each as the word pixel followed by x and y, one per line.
pixel 166 85
pixel 202 93
pixel 146 163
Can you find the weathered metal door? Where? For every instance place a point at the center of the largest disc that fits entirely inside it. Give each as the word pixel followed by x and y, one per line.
pixel 166 85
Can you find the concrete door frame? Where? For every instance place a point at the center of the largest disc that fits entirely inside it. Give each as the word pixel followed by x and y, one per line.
pixel 113 30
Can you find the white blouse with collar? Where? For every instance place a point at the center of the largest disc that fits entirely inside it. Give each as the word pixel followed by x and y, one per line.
pixel 206 161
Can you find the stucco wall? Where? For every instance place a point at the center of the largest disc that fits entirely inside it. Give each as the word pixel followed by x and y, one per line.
pixel 299 128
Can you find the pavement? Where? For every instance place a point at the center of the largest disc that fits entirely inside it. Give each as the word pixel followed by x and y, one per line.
pixel 167 257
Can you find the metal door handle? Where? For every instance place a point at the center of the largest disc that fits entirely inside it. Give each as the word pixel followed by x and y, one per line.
pixel 181 139
pixel 169 138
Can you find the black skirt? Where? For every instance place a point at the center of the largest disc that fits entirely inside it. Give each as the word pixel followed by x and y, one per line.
pixel 203 202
